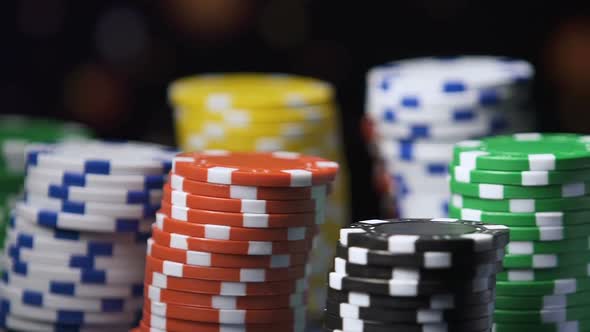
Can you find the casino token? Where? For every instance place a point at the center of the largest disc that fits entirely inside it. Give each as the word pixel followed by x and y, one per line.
pixel 224 130
pixel 182 199
pixel 249 90
pixel 432 132
pixel 544 316
pixel 73 317
pixel 179 241
pixel 438 301
pixel 175 269
pixel 220 232
pixel 280 169
pixel 251 115
pixel 155 323
pixel 92 208
pixel 401 287
pixel 410 150
pixel 417 316
pixel 419 235
pixel 78 222
pixel 225 316
pixel 499 191
pixel 521 205
pixel 79 179
pixel 79 247
pixel 246 220
pixel 544 261
pixel 73 261
pixel 368 271
pixel 549 233
pixel 356 325
pixel 518 178
pixel 213 287
pixel 66 288
pixel 50 301
pixel 542 302
pixel 582 270
pixel 102 157
pixel 203 258
pixel 549 287
pixel 522 152
pixel 571 326
pixel 91 194
pixel 23 225
pixel 19 324
pixel 180 183
pixel 107 277
pixel 549 247
pixel 224 302
pixel 426 260
pixel 538 219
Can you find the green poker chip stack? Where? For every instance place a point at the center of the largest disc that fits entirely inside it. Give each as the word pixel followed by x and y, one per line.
pixel 15 133
pixel 539 185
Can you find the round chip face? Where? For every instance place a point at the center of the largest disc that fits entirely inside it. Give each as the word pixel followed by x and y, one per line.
pixel 278 169
pixel 223 91
pixel 525 152
pixel 418 235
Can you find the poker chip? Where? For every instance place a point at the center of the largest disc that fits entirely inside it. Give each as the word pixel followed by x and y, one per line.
pixel 265 112
pixel 415 275
pixel 534 183
pixel 158 324
pixel 246 265
pixel 573 325
pixel 418 108
pixel 76 241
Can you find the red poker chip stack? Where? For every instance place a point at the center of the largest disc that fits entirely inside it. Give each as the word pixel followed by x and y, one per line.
pixel 230 246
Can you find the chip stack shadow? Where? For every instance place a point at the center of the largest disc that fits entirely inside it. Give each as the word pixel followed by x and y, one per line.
pixel 418 108
pixel 416 275
pixel 74 255
pixel 537 184
pixel 267 112
pixel 230 247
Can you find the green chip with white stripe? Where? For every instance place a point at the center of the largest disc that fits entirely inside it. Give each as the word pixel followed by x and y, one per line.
pixel 501 191
pixel 545 261
pixel 537 219
pixel 520 205
pixel 465 174
pixel 542 302
pixel 574 271
pixel 525 152
pixel 550 287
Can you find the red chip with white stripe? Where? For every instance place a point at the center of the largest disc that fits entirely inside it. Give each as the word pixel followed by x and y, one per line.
pixel 224 302
pixel 275 169
pixel 183 199
pixel 247 220
pixel 203 258
pixel 179 241
pixel 154 323
pixel 225 316
pixel 181 183
pixel 180 270
pixel 222 232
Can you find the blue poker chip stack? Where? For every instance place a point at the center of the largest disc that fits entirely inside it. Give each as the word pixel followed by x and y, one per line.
pixel 415 275
pixel 75 247
pixel 420 107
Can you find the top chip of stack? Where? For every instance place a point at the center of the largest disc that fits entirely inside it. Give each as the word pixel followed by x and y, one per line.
pixel 420 107
pixel 266 112
pixel 231 243
pixel 415 275
pixel 76 242
pixel 535 183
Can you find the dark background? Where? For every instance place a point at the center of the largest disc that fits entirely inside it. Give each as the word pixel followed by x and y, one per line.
pixel 107 63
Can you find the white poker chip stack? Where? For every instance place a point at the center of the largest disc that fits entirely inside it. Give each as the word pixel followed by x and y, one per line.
pixel 75 247
pixel 418 108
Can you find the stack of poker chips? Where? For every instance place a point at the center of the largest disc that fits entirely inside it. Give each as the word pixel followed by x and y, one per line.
pixel 255 112
pixel 415 275
pixel 15 133
pixel 537 184
pixel 420 107
pixel 231 243
pixel 75 249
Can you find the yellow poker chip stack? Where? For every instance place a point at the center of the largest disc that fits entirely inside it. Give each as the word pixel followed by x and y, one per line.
pixel 268 112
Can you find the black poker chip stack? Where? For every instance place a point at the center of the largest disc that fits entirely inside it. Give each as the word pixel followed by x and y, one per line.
pixel 415 275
